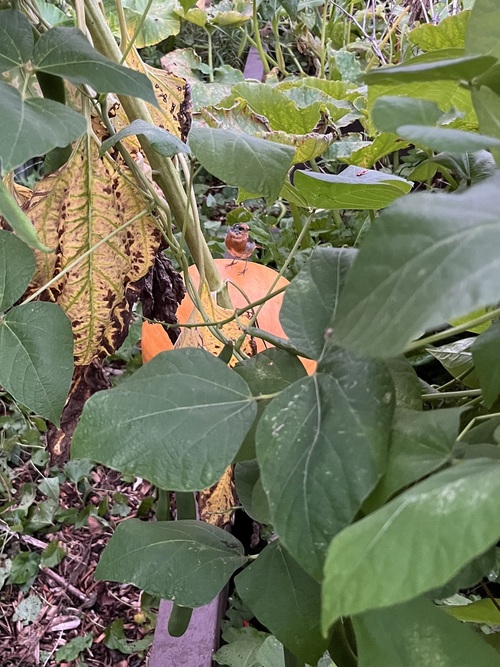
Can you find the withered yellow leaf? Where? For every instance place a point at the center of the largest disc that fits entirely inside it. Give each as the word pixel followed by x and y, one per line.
pixel 174 100
pixel 217 504
pixel 73 210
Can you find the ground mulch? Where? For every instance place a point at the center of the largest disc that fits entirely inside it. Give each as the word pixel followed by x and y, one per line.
pixel 73 603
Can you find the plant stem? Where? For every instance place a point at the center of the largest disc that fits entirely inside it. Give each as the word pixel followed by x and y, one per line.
pixel 258 41
pixel 438 396
pixel 452 331
pixel 210 55
pixel 324 24
pixel 164 171
pixel 163 506
pixel 137 30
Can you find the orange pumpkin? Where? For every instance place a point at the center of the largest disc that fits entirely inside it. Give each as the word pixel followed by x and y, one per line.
pixel 255 282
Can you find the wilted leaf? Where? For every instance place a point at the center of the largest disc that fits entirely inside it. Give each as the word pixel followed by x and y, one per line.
pixel 73 210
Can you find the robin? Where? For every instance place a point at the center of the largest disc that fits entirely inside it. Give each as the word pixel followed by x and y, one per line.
pixel 239 245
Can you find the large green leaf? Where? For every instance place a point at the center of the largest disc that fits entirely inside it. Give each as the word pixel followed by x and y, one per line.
pixel 390 112
pixel 429 259
pixel 448 33
pixel 35 370
pixel 281 111
pixel 161 20
pixel 483 29
pixel 308 308
pixel 385 558
pixel 354 188
pixel 268 372
pixel 178 421
pixel 486 356
pixel 406 383
pixel 187 561
pixel 17 266
pixel 322 446
pixel 285 600
pixel 255 165
pixel 418 634
pixel 466 68
pixel 447 139
pixel 421 442
pixel 20 123
pixel 16 39
pixel 448 95
pixel 66 52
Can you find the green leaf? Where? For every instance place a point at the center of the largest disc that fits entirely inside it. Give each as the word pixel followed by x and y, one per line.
pixel 418 634
pixel 487 106
pixel 441 139
pixel 384 144
pixel 117 641
pixel 242 652
pixel 24 568
pixel 256 165
pixel 20 123
pixel 406 383
pixel 17 266
pixel 442 245
pixel 354 188
pixel 485 353
pixel 390 112
pixel 308 308
pixel 188 562
pixel 178 421
pixel 66 52
pixel 160 23
pixel 52 555
pixel 35 371
pixel 391 546
pixel 285 600
pixel 18 220
pixel 72 649
pixel 268 372
pixel 163 142
pixel 421 442
pixel 282 112
pixel 483 31
pixel 448 95
pixel 291 7
pixel 448 33
pixel 250 490
pixel 464 68
pixel 322 446
pixel 482 612
pixel 16 39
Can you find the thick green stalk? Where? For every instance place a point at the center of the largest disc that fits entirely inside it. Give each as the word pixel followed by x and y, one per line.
pixel 165 173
